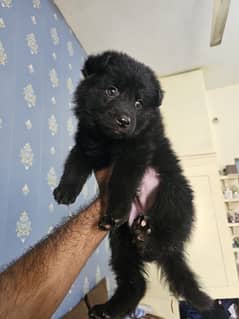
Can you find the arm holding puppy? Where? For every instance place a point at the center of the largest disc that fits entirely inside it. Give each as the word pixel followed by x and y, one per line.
pixel 35 284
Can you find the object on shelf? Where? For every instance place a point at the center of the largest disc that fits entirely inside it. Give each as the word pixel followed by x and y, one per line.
pixel 236 217
pixel 235 243
pixel 236 195
pixel 237 164
pixel 230 217
pixel 235 191
pixel 228 193
pixel 237 261
pixel 230 169
pixel 233 216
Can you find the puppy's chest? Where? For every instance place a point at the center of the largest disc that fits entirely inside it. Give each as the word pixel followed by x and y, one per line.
pixel 102 152
pixel 101 155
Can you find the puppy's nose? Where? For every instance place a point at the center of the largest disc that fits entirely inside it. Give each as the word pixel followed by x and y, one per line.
pixel 123 121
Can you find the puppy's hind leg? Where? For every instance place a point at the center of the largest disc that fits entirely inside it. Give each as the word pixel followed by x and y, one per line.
pixel 128 269
pixel 183 282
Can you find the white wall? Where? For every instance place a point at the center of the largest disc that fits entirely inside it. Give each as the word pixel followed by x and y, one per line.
pixel 185 113
pixel 223 103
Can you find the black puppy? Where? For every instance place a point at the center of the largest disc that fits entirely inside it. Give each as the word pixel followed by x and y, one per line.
pixel 117 105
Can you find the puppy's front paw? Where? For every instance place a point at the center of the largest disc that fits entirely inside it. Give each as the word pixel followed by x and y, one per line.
pixel 65 193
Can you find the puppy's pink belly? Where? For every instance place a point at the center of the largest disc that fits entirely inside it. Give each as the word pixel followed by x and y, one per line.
pixel 145 197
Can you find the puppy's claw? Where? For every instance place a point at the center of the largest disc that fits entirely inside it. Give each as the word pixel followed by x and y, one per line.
pixel 105 223
pixel 143 223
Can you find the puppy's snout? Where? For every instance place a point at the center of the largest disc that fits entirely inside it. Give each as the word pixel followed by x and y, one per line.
pixel 123 121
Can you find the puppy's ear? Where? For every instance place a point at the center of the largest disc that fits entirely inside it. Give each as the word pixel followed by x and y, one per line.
pixel 96 63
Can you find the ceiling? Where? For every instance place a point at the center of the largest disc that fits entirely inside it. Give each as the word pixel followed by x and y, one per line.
pixel 171 36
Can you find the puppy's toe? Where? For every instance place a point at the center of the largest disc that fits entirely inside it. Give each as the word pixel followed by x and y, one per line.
pixel 141 228
pixel 65 194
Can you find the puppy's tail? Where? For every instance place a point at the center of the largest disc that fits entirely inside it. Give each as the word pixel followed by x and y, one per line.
pixel 183 283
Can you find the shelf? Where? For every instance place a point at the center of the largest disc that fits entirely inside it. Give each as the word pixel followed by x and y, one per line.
pixel 234 200
pixel 233 204
pixel 233 224
pixel 230 176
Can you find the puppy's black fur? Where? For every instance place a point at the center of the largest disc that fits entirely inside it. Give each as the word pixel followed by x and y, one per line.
pixel 117 105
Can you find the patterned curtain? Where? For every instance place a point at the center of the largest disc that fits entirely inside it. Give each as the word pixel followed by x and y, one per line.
pixel 40 65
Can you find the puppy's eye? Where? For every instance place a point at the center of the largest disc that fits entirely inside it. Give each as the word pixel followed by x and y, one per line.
pixel 138 104
pixel 112 91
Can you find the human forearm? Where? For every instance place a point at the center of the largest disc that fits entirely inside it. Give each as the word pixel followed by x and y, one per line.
pixel 35 285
